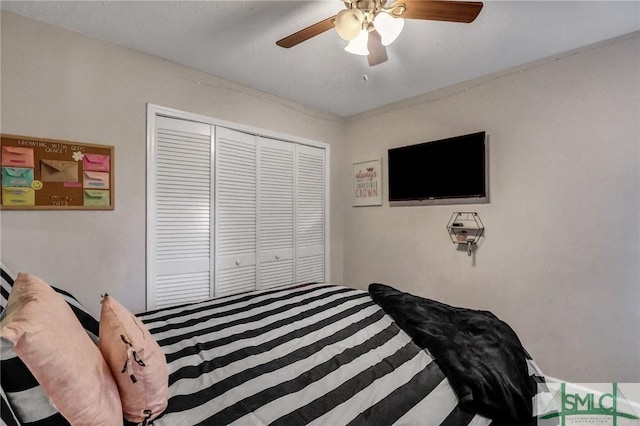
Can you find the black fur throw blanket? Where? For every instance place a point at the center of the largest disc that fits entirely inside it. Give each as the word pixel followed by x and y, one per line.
pixel 481 355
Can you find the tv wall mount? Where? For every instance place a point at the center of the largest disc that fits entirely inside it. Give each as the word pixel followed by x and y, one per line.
pixel 465 228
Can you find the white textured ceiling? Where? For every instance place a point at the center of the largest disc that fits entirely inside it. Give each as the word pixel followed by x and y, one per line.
pixel 236 40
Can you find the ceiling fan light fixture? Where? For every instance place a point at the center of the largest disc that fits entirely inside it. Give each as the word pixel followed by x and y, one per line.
pixel 382 23
pixel 358 46
pixel 388 27
pixel 349 23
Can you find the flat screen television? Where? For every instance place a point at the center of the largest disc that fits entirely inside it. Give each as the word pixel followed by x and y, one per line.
pixel 446 171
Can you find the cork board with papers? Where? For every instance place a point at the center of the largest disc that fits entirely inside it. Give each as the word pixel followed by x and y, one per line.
pixel 52 174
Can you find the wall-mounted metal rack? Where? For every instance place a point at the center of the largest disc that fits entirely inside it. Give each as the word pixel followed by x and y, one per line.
pixel 465 228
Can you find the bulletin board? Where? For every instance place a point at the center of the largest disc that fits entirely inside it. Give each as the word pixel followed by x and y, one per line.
pixel 48 174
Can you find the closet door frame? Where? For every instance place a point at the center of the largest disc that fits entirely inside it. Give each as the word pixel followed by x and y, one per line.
pixel 154 111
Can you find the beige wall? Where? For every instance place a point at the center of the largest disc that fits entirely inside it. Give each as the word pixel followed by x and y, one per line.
pixel 62 85
pixel 561 258
pixel 560 261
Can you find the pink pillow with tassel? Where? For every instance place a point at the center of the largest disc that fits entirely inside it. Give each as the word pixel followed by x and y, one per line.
pixel 137 363
pixel 51 342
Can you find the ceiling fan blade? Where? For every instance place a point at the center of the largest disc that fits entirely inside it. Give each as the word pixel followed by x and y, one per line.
pixel 441 10
pixel 377 52
pixel 307 33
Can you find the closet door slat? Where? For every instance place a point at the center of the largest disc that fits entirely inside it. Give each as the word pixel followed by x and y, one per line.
pixel 235 211
pixel 179 246
pixel 276 212
pixel 310 214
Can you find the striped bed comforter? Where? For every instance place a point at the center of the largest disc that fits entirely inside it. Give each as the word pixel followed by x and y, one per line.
pixel 313 354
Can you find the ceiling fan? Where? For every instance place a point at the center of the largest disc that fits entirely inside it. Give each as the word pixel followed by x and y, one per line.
pixel 370 25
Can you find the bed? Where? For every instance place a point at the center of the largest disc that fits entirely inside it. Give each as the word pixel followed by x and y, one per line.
pixel 315 354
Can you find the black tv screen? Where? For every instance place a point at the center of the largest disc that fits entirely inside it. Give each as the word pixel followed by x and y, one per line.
pixel 445 171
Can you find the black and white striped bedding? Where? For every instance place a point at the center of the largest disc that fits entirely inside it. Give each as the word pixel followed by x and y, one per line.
pixel 6 284
pixel 313 354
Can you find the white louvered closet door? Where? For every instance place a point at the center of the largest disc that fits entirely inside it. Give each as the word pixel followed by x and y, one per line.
pixel 235 211
pixel 310 214
pixel 276 165
pixel 179 246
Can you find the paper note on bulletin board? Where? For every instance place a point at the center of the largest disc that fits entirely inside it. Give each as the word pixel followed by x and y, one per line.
pixel 56 175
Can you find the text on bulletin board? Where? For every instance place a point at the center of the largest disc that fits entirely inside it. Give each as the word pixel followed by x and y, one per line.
pixel 52 174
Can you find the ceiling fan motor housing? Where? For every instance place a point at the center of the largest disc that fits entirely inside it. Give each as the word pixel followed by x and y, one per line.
pixel 358 16
pixel 369 8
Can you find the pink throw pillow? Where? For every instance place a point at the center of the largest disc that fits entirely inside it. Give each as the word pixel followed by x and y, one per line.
pixel 51 342
pixel 138 364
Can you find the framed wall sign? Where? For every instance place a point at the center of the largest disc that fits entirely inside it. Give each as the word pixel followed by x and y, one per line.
pixel 367 183
pixel 39 174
